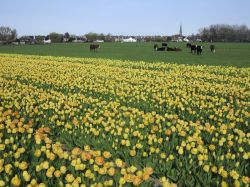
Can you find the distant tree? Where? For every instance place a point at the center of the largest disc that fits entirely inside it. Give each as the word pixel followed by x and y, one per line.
pixel 39 39
pixel 101 36
pixel 7 34
pixel 66 37
pixel 108 38
pixel 148 39
pixel 158 39
pixel 55 37
pixel 91 36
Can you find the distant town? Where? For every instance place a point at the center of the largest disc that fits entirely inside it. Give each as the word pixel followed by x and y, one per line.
pixel 213 33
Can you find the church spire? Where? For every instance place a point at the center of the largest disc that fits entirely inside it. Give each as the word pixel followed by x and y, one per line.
pixel 180 30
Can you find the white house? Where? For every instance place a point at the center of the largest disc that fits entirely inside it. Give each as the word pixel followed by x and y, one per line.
pixel 99 41
pixel 47 41
pixel 185 39
pixel 129 40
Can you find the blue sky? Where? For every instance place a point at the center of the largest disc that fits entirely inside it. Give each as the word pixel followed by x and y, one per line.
pixel 125 17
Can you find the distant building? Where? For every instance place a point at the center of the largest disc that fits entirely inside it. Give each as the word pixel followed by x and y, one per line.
pixel 99 41
pixel 27 39
pixel 130 39
pixel 177 38
pixel 47 41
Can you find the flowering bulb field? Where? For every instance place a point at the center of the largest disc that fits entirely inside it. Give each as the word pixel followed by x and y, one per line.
pixel 82 122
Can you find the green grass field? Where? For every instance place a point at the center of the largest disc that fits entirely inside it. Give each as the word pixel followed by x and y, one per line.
pixel 227 54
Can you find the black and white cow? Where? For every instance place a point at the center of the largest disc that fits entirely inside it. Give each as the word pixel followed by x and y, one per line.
pixel 193 48
pixel 174 49
pixel 155 47
pixel 164 44
pixel 161 49
pixel 199 49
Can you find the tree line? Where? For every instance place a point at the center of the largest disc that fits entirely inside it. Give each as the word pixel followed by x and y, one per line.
pixel 225 33
pixel 213 33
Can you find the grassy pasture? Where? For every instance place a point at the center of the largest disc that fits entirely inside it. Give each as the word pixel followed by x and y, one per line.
pixel 227 54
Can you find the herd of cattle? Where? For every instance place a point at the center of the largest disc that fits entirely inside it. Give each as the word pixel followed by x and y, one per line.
pixel 195 49
pixel 165 47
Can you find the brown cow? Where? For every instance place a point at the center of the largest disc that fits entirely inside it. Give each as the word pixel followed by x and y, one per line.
pixel 93 47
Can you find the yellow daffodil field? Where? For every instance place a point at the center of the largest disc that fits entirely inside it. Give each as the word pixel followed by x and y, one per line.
pixel 99 122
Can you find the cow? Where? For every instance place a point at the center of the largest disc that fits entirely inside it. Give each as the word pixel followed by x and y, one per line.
pixel 93 47
pixel 170 49
pixel 212 48
pixel 193 48
pixel 164 44
pixel 161 49
pixel 155 47
pixel 177 49
pixel 174 49
pixel 189 45
pixel 199 49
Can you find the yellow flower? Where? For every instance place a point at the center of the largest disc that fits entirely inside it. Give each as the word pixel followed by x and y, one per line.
pixel 223 184
pixel 102 171
pixel 87 148
pixel 224 174
pixel 45 165
pixel 49 173
pixel 2 183
pixel 69 178
pixel 109 183
pixel 137 180
pixel 237 183
pixel 80 167
pixel 57 173
pixel 194 151
pixel 99 160
pixel 76 151
pixel 214 169
pixel 15 181
pixel 245 179
pixel 8 168
pixel 119 162
pixel 33 182
pixel 148 170
pixel 132 169
pixel 234 174
pixel 37 153
pixel 23 165
pixel 106 154
pixel 111 171
pixel 41 185
pixel 38 168
pixel 2 147
pixel 245 156
pixel 171 157
pixel 180 151
pixel 206 168
pixel 132 153
pixel 122 181
pixel 212 147
pixel 63 169
pixel 26 176
pixel 163 155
